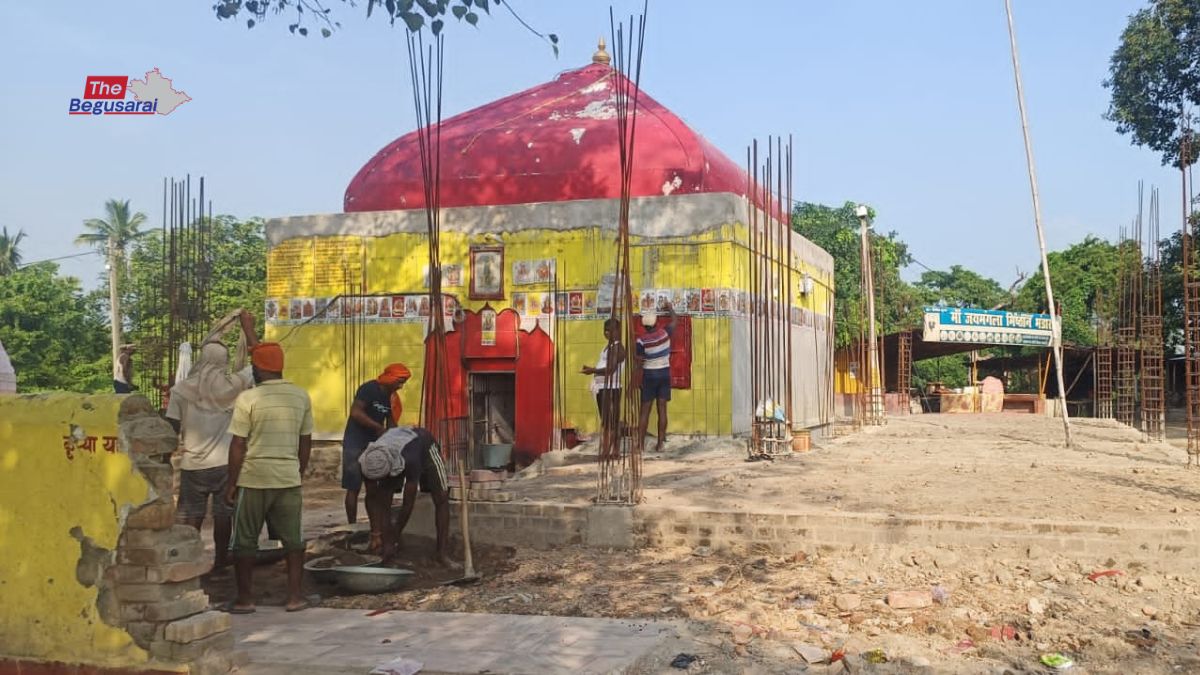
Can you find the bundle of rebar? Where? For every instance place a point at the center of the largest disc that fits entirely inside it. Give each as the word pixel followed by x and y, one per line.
pixel 770 270
pixel 1191 303
pixel 1104 373
pixel 873 408
pixel 425 69
pixel 1153 399
pixel 1129 298
pixel 619 479
pixel 174 299
pixel 354 325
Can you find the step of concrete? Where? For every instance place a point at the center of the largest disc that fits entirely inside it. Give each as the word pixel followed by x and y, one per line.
pixel 345 641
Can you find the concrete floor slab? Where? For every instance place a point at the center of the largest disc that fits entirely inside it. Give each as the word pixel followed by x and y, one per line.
pixel 348 641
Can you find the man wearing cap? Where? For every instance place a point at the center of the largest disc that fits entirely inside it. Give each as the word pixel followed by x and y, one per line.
pixel 272 439
pixel 654 359
pixel 406 458
pixel 376 407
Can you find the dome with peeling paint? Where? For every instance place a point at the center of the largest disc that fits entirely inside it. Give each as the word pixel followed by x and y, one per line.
pixel 555 142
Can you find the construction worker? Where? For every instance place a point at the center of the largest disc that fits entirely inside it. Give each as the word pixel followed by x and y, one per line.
pixel 376 407
pixel 653 358
pixel 408 459
pixel 272 441
pixel 200 408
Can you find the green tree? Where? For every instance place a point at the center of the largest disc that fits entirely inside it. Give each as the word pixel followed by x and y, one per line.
pixel 951 371
pixel 415 15
pixel 836 229
pixel 113 237
pixel 1170 259
pixel 53 331
pixel 10 251
pixel 1154 77
pixel 960 287
pixel 1085 281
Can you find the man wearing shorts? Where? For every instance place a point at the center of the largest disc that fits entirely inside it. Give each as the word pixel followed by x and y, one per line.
pixel 200 408
pixel 376 407
pixel 654 358
pixel 606 385
pixel 272 440
pixel 418 466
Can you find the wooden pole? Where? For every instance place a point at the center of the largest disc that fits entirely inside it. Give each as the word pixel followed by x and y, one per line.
pixel 1056 338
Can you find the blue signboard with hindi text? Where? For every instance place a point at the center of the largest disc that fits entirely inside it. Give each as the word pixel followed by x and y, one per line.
pixel 987 326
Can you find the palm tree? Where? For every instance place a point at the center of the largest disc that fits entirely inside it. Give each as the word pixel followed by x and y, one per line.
pixel 10 252
pixel 114 236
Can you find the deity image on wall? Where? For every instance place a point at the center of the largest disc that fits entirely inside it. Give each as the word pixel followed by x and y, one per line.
pixel 487 333
pixel 487 272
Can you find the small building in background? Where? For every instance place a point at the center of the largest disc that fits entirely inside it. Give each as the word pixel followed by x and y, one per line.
pixel 530 195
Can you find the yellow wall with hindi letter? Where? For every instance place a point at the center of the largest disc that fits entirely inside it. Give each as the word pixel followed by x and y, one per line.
pixel 50 500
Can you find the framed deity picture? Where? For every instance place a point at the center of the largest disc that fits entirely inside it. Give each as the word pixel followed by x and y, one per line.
pixel 487 273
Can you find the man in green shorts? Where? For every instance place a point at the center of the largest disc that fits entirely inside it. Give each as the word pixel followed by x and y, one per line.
pixel 272 439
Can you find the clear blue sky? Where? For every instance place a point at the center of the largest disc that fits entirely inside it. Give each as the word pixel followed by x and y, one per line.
pixel 906 106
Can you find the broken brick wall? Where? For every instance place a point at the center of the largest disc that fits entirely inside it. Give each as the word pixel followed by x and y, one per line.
pixel 94 569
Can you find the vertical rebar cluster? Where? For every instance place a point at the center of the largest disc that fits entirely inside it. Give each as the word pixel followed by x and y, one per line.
pixel 1153 399
pixel 769 265
pixel 1104 372
pixel 1191 305
pixel 174 297
pixel 619 479
pixel 904 362
pixel 1130 300
pixel 425 69
pixel 354 329
pixel 871 377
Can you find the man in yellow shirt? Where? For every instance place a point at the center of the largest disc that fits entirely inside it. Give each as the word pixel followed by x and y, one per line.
pixel 272 439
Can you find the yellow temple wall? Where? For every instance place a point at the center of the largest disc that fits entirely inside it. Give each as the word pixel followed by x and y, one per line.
pixel 311 267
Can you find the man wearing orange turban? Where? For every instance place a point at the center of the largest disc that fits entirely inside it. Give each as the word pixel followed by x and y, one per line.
pixel 376 407
pixel 268 358
pixel 272 441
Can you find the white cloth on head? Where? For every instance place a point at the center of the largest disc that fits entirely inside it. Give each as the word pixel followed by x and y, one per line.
pixel 185 362
pixel 209 385
pixel 203 405
pixel 383 457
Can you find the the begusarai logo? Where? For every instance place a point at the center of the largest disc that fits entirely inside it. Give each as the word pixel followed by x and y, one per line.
pixel 110 95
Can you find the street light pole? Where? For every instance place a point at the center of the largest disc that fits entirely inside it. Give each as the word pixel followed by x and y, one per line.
pixel 873 376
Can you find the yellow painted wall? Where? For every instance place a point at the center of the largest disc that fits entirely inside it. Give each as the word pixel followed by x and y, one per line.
pixel 45 612
pixel 395 264
pixel 845 381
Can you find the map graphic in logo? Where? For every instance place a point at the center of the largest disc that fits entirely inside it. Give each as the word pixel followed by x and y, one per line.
pixel 110 95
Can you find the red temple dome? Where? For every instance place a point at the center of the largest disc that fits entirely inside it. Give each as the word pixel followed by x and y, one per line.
pixel 554 142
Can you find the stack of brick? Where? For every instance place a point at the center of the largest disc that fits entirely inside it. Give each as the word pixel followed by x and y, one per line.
pixel 154 587
pixel 485 485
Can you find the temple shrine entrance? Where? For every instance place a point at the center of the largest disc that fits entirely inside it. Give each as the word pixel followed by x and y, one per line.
pixel 493 416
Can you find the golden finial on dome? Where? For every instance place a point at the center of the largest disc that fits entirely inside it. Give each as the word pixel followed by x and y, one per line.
pixel 601 56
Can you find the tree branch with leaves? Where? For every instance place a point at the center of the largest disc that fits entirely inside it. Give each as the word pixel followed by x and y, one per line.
pixel 415 15
pixel 1154 77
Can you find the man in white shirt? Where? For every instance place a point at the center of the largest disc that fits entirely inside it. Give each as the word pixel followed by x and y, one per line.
pixel 200 409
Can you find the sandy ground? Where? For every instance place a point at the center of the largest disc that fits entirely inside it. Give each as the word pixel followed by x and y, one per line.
pixel 1002 465
pixel 743 611
pixel 753 611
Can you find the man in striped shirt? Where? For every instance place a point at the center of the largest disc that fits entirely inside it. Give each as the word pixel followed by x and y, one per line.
pixel 654 360
pixel 272 440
